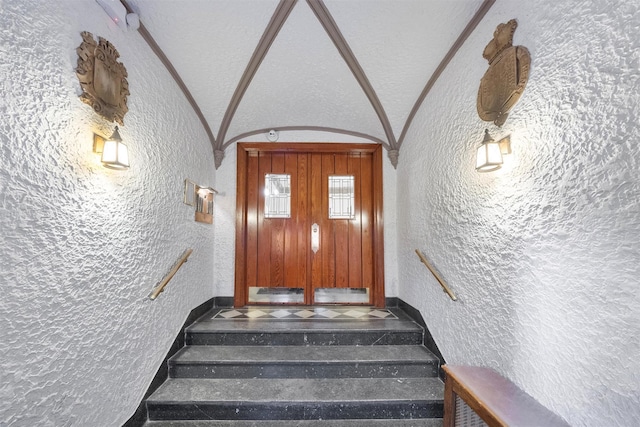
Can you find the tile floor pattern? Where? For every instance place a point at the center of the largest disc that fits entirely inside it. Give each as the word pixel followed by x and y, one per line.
pixel 314 313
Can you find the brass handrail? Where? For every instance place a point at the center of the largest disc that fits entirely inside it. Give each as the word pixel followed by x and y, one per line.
pixel 445 288
pixel 160 287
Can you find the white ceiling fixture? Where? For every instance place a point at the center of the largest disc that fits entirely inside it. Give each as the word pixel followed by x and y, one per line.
pixel 118 14
pixel 272 135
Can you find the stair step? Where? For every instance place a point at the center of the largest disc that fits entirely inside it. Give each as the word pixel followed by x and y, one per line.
pixel 297 399
pixel 396 331
pixel 378 361
pixel 418 422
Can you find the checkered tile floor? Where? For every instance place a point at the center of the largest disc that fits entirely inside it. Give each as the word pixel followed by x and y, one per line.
pixel 315 313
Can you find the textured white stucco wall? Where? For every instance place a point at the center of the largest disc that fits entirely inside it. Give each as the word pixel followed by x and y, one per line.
pixel 81 246
pixel 225 223
pixel 543 253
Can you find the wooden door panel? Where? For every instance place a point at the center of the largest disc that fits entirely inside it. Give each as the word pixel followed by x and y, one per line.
pixel 300 229
pixel 315 199
pixel 277 163
pixel 292 267
pixel 341 231
pixel 276 234
pixel 355 226
pixel 276 252
pixel 327 232
pixel 264 227
pixel 366 219
pixel 252 188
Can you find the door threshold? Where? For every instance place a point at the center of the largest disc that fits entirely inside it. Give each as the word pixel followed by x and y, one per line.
pixel 305 313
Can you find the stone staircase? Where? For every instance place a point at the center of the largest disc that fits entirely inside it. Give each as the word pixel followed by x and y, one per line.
pixel 301 366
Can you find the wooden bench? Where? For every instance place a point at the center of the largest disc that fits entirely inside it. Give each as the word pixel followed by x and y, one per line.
pixel 471 392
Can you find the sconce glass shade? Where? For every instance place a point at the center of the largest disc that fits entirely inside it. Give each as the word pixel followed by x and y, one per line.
pixel 114 153
pixel 489 156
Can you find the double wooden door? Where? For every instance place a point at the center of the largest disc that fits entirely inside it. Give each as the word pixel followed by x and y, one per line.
pixel 305 247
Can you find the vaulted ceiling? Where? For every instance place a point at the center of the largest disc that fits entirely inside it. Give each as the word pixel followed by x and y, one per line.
pixel 359 67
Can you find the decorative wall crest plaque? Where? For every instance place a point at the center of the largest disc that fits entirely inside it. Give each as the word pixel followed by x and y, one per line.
pixel 503 83
pixel 102 78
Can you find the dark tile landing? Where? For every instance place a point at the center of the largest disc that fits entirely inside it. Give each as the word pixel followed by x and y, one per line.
pixel 303 366
pixel 369 330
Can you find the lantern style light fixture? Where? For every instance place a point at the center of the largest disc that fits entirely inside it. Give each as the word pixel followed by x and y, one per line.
pixel 114 152
pixel 489 156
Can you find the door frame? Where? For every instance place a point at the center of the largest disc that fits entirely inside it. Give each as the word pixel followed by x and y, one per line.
pixel 245 148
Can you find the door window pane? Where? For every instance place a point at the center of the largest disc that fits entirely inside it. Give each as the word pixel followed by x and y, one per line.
pixel 277 196
pixel 341 197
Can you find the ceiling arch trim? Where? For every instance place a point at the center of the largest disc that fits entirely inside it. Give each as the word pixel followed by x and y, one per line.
pixel 471 26
pixel 147 37
pixel 308 128
pixel 328 23
pixel 278 19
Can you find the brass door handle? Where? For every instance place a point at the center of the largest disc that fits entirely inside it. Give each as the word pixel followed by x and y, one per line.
pixel 315 238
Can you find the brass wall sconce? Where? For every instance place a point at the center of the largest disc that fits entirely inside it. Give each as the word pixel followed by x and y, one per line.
pixel 114 152
pixel 204 204
pixel 490 152
pixel 201 198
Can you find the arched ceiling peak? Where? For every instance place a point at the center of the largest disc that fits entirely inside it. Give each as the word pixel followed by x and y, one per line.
pixel 210 47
